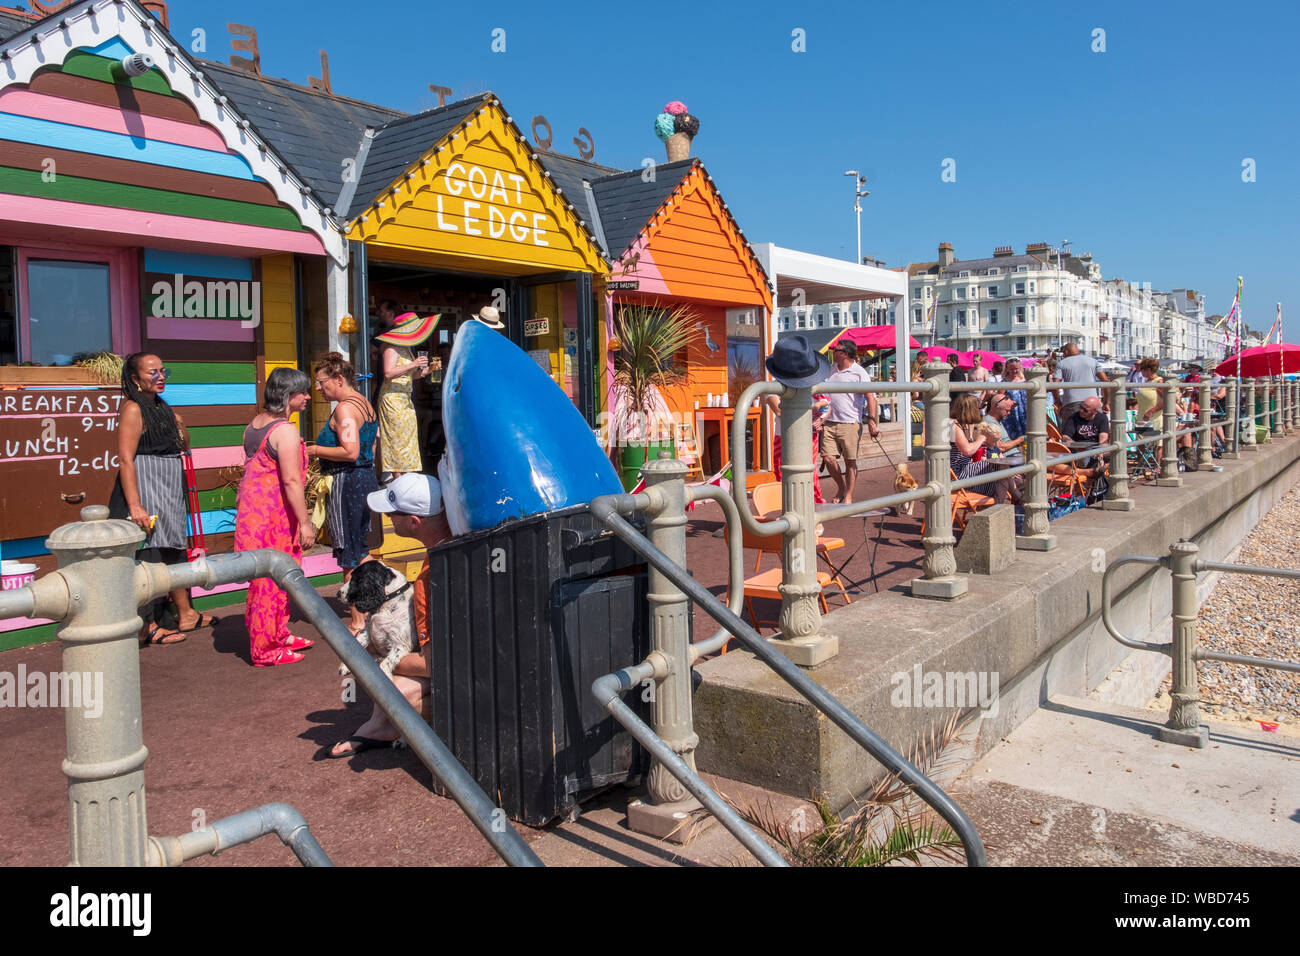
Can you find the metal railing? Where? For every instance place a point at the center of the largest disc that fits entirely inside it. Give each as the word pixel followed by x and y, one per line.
pixel 1184 723
pixel 94 595
pixel 672 740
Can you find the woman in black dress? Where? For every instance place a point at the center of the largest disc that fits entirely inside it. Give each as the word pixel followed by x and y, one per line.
pixel 150 487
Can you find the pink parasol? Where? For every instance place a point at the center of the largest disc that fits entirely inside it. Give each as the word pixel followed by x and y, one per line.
pixel 939 353
pixel 1263 360
pixel 967 359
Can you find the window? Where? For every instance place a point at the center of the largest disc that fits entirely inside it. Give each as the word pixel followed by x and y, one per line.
pixel 961 317
pixel 961 293
pixel 1022 268
pixel 799 322
pixel 993 316
pixel 916 316
pixel 821 320
pixel 992 272
pixel 1020 313
pixel 72 300
pixel 1020 343
pixel 916 292
pixel 1033 313
pixel 1020 288
pixel 1031 287
pixel 963 275
pixel 993 292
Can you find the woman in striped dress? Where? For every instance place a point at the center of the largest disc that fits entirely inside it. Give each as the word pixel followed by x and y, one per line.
pixel 964 443
pixel 150 486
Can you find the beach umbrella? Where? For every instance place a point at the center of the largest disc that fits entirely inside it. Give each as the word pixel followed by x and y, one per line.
pixel 1262 360
pixel 939 353
pixel 967 359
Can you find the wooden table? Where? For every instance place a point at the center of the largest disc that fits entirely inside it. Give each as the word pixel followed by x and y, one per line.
pixel 722 418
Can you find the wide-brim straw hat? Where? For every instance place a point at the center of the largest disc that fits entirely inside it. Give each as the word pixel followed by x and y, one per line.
pixel 410 330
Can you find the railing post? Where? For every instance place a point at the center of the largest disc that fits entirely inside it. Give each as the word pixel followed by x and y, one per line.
pixel 1117 498
pixel 670 611
pixel 1036 536
pixel 106 752
pixel 1233 407
pixel 1184 725
pixel 1247 442
pixel 1294 403
pixel 801 637
pixel 939 578
pixel 1204 439
pixel 1169 424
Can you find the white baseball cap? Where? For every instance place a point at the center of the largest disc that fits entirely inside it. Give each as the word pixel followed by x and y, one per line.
pixel 412 494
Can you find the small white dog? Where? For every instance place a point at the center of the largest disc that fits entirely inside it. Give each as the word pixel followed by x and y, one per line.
pixel 387 600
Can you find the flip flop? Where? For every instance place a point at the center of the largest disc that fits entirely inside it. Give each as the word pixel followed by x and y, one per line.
pixel 151 637
pixel 205 620
pixel 359 746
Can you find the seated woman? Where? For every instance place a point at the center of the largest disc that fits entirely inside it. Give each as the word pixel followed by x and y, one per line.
pixel 965 439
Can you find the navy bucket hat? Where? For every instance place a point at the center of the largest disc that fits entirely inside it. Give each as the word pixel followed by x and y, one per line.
pixel 797 364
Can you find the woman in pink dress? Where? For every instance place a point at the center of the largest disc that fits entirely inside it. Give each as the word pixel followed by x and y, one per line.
pixel 272 512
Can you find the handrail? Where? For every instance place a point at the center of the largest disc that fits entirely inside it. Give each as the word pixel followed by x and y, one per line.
pixel 606 511
pixel 1183 725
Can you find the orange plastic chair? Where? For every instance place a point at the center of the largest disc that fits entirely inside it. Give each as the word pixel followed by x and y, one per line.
pixel 964 504
pixel 767 499
pixel 1069 482
pixel 765 586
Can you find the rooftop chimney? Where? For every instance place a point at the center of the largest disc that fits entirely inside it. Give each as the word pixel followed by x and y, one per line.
pixel 1001 251
pixel 945 255
pixel 1035 248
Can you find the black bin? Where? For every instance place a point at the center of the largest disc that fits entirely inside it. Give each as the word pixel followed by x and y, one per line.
pixel 523 617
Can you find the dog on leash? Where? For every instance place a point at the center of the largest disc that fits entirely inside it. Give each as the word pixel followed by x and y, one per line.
pixel 387 600
pixel 903 481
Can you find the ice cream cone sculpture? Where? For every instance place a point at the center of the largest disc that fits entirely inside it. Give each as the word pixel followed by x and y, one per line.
pixel 676 127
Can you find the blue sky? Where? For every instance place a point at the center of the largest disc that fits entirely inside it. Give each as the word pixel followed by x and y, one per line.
pixel 1135 154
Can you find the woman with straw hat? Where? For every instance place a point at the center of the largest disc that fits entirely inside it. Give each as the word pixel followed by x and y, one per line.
pixel 399 434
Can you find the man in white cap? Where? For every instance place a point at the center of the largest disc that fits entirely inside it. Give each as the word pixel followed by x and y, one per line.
pixel 414 501
pixel 490 317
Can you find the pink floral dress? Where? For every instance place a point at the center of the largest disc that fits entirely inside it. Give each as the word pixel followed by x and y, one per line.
pixel 263 519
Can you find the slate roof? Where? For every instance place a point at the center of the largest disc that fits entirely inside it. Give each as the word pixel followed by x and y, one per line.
pixel 626 203
pixel 313 131
pixel 570 174
pixel 11 24
pixel 399 143
pixel 1005 264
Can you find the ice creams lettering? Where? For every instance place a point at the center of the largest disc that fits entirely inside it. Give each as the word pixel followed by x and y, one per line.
pixel 677 127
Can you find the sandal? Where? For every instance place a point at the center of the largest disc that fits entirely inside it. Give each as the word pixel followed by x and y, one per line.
pixel 285 656
pixel 205 620
pixel 359 746
pixel 296 643
pixel 158 635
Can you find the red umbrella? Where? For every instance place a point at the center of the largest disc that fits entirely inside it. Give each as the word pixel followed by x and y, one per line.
pixel 1263 360
pixel 967 359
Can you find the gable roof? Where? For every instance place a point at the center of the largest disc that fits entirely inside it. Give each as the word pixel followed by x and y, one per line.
pixel 395 146
pixel 627 203
pixel 79 28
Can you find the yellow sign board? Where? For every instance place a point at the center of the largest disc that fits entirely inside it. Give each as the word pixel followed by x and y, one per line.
pixel 478 194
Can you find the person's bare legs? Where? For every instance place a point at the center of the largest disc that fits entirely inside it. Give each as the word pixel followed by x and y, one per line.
pixel 837 476
pixel 850 480
pixel 378 727
pixel 187 617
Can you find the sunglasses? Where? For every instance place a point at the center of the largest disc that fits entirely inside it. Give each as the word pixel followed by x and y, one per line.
pixel 161 373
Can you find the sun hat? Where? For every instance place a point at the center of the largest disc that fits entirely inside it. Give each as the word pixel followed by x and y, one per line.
pixel 412 494
pixel 409 330
pixel 490 317
pixel 797 364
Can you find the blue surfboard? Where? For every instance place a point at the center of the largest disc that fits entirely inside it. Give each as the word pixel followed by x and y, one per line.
pixel 516 445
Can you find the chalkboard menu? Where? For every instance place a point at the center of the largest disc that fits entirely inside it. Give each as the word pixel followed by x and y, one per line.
pixel 58 453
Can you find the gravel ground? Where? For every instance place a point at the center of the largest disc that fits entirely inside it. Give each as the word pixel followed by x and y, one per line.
pixel 1258 616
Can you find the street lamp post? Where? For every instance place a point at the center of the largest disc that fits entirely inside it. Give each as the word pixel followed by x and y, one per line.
pixel 858 194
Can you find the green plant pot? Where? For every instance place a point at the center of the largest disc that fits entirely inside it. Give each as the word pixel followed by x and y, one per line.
pixel 635 456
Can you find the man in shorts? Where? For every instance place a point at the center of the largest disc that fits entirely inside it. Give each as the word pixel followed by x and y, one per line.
pixel 843 430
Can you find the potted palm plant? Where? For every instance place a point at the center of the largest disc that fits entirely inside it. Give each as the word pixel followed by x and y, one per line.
pixel 647 341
